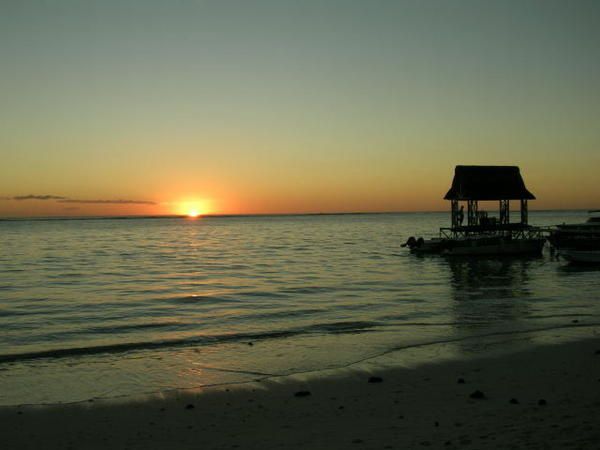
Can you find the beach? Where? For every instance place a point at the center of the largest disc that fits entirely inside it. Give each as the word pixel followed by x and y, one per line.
pixel 544 397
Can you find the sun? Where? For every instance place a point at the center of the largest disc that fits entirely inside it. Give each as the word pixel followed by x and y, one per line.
pixel 192 208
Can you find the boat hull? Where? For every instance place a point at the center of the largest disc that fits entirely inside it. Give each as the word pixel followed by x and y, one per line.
pixel 482 247
pixel 581 256
pixel 501 247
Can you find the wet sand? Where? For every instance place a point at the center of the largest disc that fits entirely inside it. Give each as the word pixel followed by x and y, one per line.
pixel 547 398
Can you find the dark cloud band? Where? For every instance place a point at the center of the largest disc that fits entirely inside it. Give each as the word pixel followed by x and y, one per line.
pixel 61 199
pixel 38 197
pixel 108 202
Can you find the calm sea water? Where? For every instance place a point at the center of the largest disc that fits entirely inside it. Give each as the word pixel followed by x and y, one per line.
pixel 102 308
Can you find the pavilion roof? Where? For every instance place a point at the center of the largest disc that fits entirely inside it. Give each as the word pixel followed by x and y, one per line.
pixel 488 183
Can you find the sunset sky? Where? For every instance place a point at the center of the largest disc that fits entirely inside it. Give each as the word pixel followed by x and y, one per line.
pixel 161 107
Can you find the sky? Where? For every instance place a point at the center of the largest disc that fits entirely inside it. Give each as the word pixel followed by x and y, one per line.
pixel 234 107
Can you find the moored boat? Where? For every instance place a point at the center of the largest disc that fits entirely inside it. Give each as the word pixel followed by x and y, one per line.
pixel 580 242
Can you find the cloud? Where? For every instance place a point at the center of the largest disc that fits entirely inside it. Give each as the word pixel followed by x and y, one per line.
pixel 38 197
pixel 61 199
pixel 108 202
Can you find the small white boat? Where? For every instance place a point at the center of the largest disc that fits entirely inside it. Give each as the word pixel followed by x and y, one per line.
pixel 580 242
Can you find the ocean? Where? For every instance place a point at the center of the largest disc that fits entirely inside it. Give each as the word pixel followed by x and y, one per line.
pixel 106 308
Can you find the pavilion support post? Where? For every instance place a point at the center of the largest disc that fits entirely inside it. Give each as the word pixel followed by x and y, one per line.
pixel 454 212
pixel 524 212
pixel 504 212
pixel 472 212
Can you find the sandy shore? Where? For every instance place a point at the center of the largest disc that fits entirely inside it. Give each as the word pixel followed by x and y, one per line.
pixel 544 398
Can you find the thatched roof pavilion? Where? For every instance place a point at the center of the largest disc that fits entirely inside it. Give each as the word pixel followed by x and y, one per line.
pixel 487 183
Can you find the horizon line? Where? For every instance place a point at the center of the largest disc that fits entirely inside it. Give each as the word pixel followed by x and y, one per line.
pixel 222 216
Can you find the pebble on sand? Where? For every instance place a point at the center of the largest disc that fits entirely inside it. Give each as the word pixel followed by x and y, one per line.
pixel 477 394
pixel 302 394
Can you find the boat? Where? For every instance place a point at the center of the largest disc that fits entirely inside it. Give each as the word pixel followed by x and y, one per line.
pixel 579 242
pixel 484 234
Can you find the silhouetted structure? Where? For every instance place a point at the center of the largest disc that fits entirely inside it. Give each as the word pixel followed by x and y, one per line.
pixel 487 183
pixel 483 234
